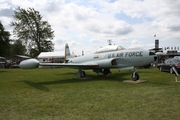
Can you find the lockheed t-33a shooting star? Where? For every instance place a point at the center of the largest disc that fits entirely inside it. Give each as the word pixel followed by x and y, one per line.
pixel 110 56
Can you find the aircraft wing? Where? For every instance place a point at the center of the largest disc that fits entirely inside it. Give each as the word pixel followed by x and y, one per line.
pixel 83 65
pixel 33 63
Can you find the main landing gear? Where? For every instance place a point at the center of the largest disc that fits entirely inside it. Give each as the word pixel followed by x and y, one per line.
pixel 81 73
pixel 106 71
pixel 135 75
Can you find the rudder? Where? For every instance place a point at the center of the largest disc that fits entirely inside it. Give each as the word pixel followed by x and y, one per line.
pixel 67 52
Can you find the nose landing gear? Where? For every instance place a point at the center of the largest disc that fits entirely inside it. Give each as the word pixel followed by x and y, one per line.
pixel 135 75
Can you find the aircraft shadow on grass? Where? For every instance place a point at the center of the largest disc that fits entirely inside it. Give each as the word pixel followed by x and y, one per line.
pixel 42 85
pixel 2 71
pixel 37 86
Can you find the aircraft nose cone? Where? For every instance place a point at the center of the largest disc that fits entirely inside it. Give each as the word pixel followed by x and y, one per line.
pixel 29 64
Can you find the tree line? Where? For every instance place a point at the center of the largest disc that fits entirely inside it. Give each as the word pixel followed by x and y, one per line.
pixel 31 34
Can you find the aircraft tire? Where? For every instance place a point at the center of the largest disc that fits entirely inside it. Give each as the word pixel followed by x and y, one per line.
pixel 84 74
pixel 81 73
pixel 136 77
pixel 106 71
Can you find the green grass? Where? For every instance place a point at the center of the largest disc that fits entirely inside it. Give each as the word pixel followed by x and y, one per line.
pixel 56 94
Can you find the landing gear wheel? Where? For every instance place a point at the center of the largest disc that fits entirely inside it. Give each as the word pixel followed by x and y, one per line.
pixel 83 74
pixel 106 71
pixel 135 77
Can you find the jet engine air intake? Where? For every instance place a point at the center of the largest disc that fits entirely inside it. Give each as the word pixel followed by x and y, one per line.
pixel 113 62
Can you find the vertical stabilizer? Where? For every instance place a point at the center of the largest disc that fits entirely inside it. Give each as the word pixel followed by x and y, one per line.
pixel 67 52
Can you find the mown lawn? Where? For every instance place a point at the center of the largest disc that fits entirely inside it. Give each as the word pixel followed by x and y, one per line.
pixel 56 94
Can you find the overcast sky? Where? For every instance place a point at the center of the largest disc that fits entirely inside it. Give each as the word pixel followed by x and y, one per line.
pixel 88 24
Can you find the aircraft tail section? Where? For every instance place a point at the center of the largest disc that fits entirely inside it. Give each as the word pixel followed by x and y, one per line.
pixel 67 52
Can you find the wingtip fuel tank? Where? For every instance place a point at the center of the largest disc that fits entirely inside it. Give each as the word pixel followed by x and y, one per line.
pixel 29 64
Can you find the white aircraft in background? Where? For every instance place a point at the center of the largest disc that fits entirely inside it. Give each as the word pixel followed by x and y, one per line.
pixel 111 56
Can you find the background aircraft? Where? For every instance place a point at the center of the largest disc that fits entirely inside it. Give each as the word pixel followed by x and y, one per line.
pixel 111 56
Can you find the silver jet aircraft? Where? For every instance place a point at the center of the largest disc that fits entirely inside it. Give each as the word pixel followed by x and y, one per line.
pixel 111 56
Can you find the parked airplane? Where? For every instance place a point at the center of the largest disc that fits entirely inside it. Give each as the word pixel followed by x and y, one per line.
pixel 111 56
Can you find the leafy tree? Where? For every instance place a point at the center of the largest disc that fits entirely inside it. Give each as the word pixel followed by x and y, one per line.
pixel 35 33
pixel 17 48
pixel 4 41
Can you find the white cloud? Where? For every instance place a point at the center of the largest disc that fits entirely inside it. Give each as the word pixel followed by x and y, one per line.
pixel 87 25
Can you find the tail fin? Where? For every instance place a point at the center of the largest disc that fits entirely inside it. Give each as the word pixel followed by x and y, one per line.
pixel 67 52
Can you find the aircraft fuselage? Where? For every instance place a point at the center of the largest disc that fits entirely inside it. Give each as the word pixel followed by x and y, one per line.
pixel 101 61
pixel 122 58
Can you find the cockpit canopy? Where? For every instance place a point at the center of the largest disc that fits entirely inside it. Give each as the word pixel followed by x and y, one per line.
pixel 109 48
